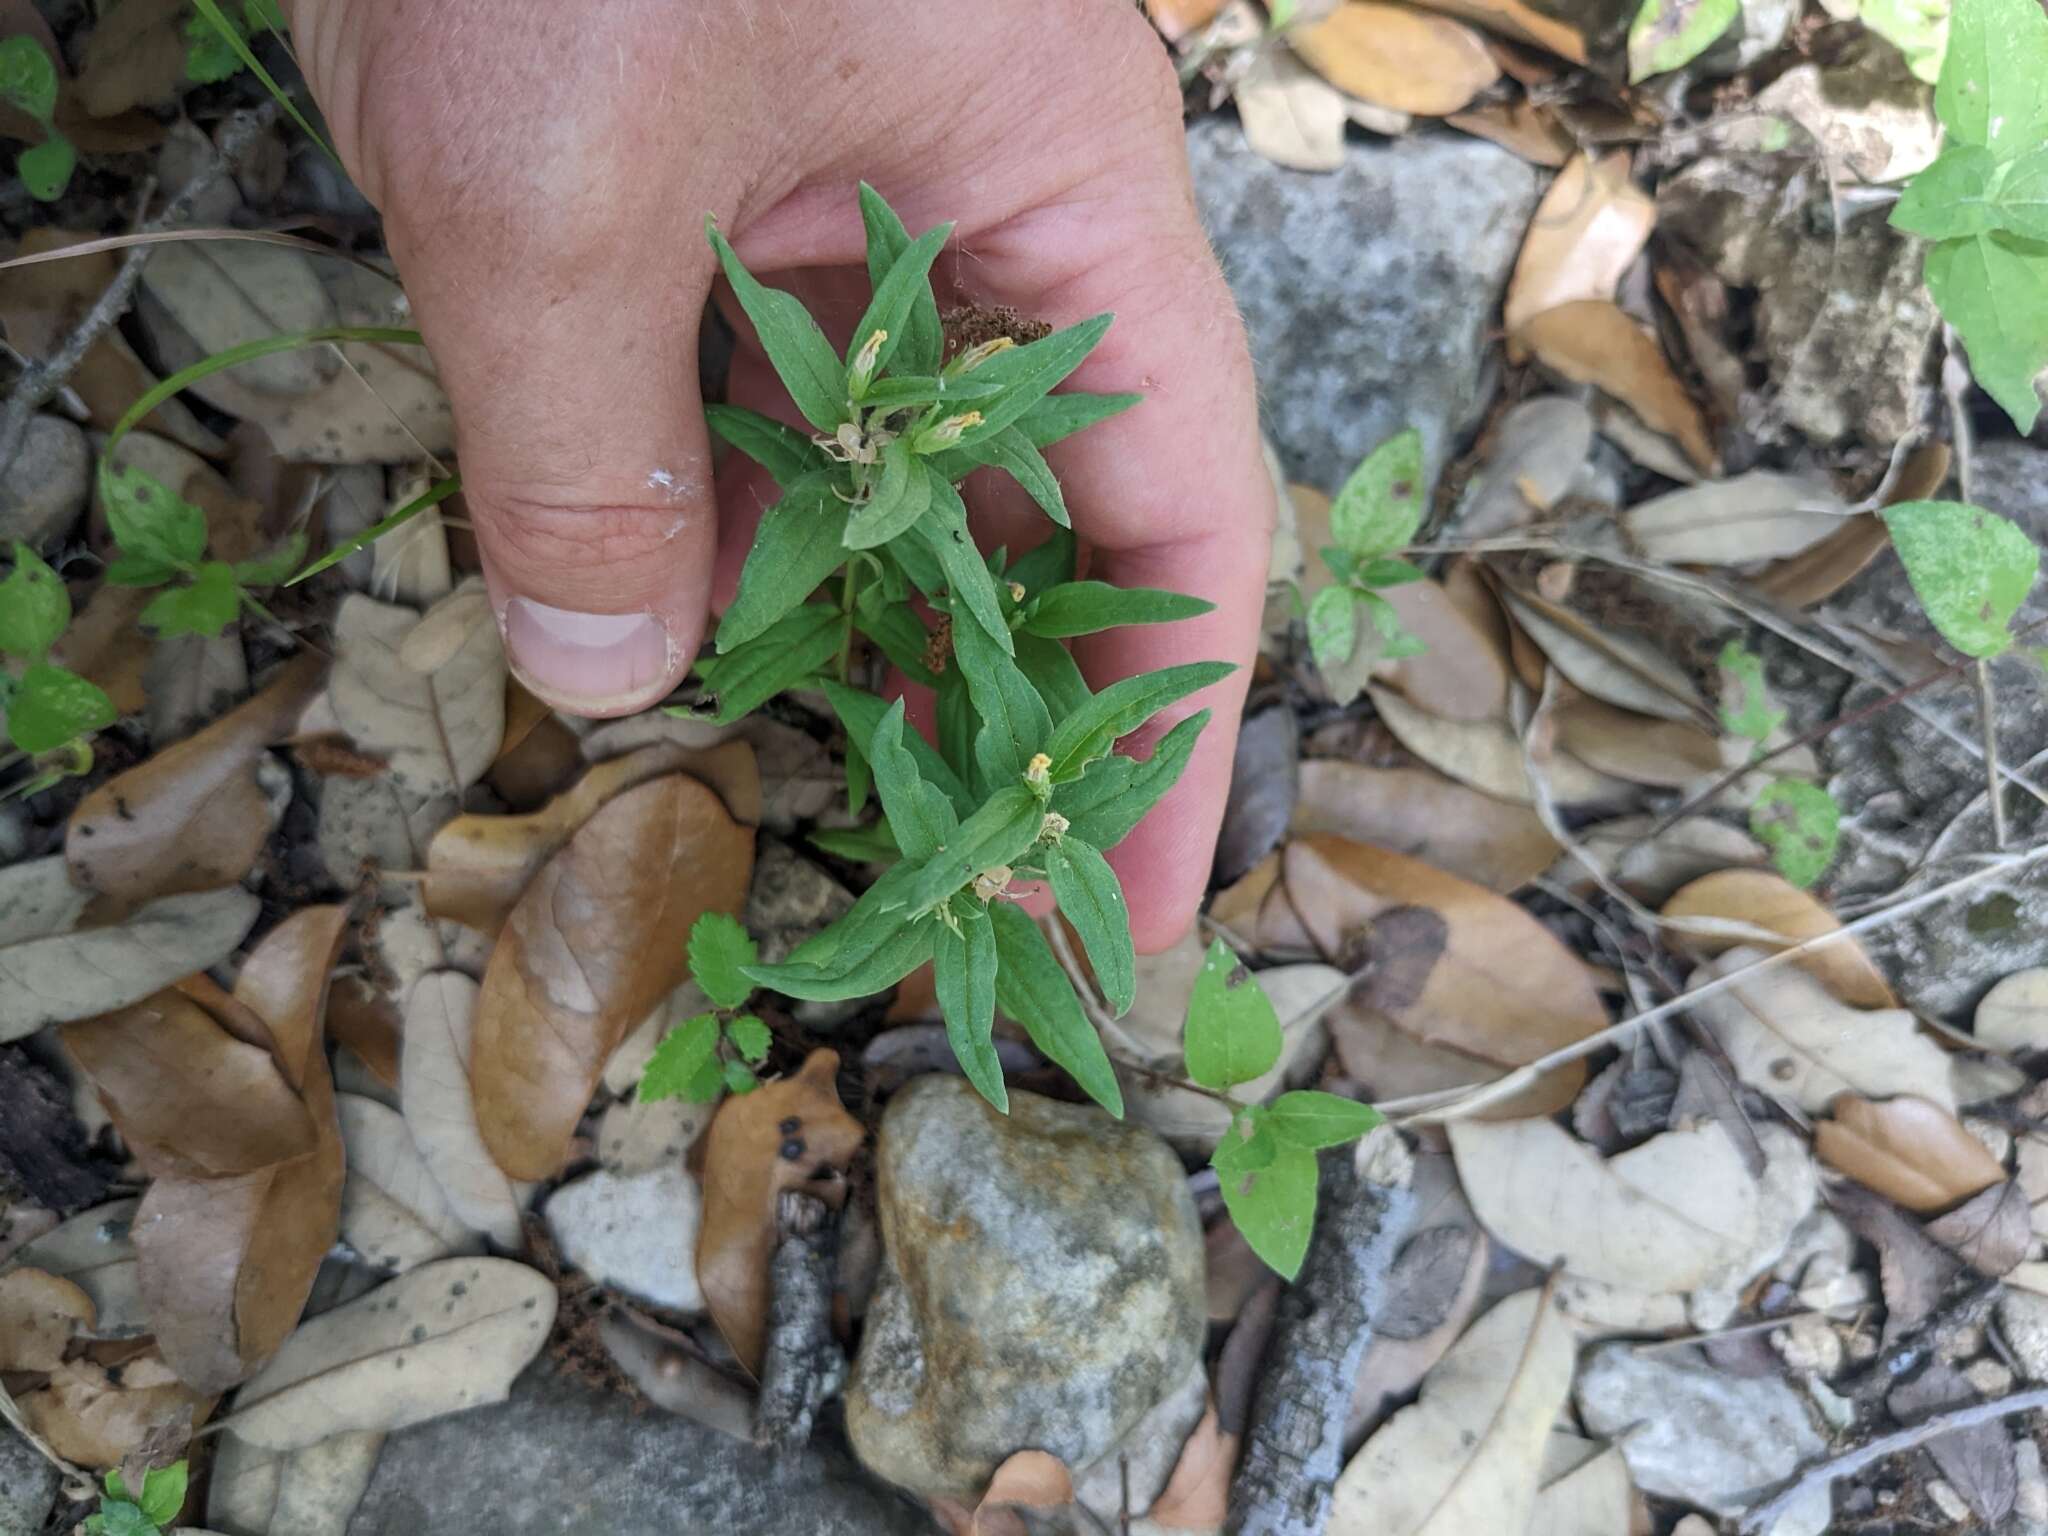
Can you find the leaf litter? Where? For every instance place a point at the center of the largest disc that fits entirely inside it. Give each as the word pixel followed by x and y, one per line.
pixel 1479 865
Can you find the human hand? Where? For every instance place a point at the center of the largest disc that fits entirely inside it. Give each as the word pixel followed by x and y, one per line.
pixel 544 172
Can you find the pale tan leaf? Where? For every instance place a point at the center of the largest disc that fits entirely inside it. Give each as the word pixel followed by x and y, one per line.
pixel 598 937
pixel 1291 115
pixel 1421 813
pixel 1523 23
pixel 450 1335
pixel 1830 565
pixel 438 1104
pixel 393 1213
pixel 1666 754
pixel 1197 1495
pixel 1175 19
pixel 1651 867
pixel 1463 674
pixel 1591 225
pixel 440 733
pixel 225 293
pixel 1748 899
pixel 313 1492
pixel 1909 1150
pixel 1758 516
pixel 1661 1217
pixel 1027 1479
pixel 1527 128
pixel 1393 1064
pixel 1486 755
pixel 98 1416
pixel 1591 1498
pixel 1451 962
pixel 1789 1037
pixel 1593 342
pixel 1394 57
pixel 2013 1016
pixel 1467 1456
pixel 93 1251
pixel 1612 665
pixel 1992 1231
pixel 40 1314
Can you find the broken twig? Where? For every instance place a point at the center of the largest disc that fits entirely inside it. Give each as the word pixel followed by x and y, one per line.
pixel 802 1365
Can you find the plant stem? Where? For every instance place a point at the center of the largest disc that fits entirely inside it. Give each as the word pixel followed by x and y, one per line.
pixel 1987 721
pixel 846 595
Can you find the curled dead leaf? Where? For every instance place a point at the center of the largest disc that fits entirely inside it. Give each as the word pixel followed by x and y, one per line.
pixel 1197 1496
pixel 98 1415
pixel 40 1314
pixel 439 1105
pixel 1028 1480
pixel 596 939
pixel 1667 754
pixel 751 1155
pixel 1523 23
pixel 1909 1150
pixel 1421 813
pixel 1742 901
pixel 1591 341
pixel 478 865
pixel 1991 1231
pixel 1591 225
pixel 1391 56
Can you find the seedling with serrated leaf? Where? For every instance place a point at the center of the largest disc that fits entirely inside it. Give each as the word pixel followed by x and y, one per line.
pixel 1373 517
pixel 51 710
pixel 215 39
pixel 1266 1161
pixel 143 1513
pixel 1023 782
pixel 717 1051
pixel 1984 201
pixel 28 83
pixel 163 540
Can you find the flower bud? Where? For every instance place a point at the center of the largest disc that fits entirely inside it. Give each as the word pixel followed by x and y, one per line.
pixel 946 433
pixel 864 362
pixel 974 357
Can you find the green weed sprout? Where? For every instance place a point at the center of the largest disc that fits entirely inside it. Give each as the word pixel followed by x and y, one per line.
pixel 28 82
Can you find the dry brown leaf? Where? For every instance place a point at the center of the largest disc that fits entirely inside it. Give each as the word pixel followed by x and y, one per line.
pixel 1789 1037
pixel 1588 230
pixel 1991 1231
pixel 1175 19
pixel 598 938
pixel 477 866
pixel 134 57
pixel 1027 1479
pixel 744 1173
pixel 1758 898
pixel 1197 1496
pixel 1818 573
pixel 1614 665
pixel 439 1104
pixel 1291 115
pixel 1463 675
pixel 100 645
pixel 1651 867
pixel 1419 812
pixel 226 1263
pixel 1393 1064
pixel 188 1097
pixel 364 1019
pixel 1660 1218
pixel 1594 342
pixel 1394 57
pixel 1467 1456
pixel 191 817
pixel 40 1314
pixel 1487 755
pixel 1666 754
pixel 1738 521
pixel 1522 126
pixel 1524 23
pixel 1450 962
pixel 438 731
pixel 1909 1150
pixel 97 1415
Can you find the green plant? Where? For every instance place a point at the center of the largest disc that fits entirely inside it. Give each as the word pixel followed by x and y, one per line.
pixel 28 82
pixel 1374 515
pixel 51 710
pixel 163 539
pixel 1670 34
pixel 211 36
pixel 1266 1161
pixel 717 1049
pixel 1023 781
pixel 1799 823
pixel 122 1513
pixel 1984 201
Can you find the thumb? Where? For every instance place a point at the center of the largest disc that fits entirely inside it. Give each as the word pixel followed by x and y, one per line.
pixel 585 464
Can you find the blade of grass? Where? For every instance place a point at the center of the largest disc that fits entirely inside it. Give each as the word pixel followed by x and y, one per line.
pixel 234 39
pixel 433 495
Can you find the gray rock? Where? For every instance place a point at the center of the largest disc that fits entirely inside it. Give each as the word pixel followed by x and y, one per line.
pixel 1843 322
pixel 791 900
pixel 47 483
pixel 636 1232
pixel 1907 791
pixel 1041 1287
pixel 28 1486
pixel 1368 292
pixel 1691 1432
pixel 2023 1323
pixel 559 1459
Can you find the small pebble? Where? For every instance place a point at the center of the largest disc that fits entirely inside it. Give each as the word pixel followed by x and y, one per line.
pixel 2031 1503
pixel 1991 1378
pixel 1809 1345
pixel 1944 1498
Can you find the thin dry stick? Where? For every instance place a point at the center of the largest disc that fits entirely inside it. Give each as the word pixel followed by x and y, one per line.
pixel 1452 1103
pixel 39 385
pixel 1849 1463
pixel 1955 385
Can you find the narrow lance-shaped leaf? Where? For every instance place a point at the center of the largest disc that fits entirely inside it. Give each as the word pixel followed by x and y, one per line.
pixel 1015 722
pixel 923 340
pixel 1087 607
pixel 1011 451
pixel 964 977
pixel 995 836
pixel 946 533
pixel 881 957
pixel 898 631
pixel 919 813
pixel 1312 1119
pixel 894 297
pixel 1105 815
pixel 898 499
pixel 1051 670
pixel 788 653
pixel 1032 989
pixel 860 713
pixel 796 548
pixel 1090 895
pixel 1030 372
pixel 1121 708
pixel 783 451
pixel 801 355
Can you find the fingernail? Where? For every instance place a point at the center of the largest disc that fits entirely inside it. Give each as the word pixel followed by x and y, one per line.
pixel 589 663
